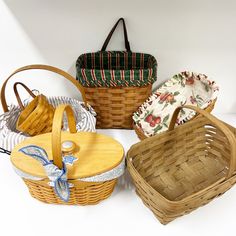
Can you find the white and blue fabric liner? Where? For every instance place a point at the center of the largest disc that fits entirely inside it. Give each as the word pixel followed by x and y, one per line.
pixel 10 137
pixel 58 177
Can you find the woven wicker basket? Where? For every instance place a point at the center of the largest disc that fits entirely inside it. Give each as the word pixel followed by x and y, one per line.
pixel 115 106
pixel 36 118
pixel 141 134
pixel 82 192
pixel 10 136
pixel 185 167
pixel 185 88
pixel 116 82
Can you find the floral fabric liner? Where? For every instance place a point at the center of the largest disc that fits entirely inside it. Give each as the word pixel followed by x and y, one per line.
pixel 185 88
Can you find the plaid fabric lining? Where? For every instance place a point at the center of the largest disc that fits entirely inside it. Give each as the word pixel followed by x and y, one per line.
pixel 116 69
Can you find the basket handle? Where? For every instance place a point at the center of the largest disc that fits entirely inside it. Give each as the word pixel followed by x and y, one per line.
pixel 18 96
pixel 225 130
pixel 127 46
pixel 41 67
pixel 56 131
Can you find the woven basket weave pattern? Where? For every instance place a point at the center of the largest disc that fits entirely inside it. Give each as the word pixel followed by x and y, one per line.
pixel 173 171
pixel 37 117
pixel 80 194
pixel 115 106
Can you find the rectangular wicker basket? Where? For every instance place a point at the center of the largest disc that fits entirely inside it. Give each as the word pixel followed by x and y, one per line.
pixel 116 82
pixel 185 167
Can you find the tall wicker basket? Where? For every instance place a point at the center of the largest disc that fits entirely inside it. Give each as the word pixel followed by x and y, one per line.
pixel 185 167
pixel 116 82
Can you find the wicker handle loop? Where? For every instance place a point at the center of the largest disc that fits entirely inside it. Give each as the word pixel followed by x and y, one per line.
pixel 127 46
pixel 41 67
pixel 18 96
pixel 229 135
pixel 56 131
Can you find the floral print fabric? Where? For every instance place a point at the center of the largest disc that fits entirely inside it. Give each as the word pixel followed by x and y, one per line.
pixel 185 88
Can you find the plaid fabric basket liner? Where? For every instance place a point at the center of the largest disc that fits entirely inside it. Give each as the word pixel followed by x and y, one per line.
pixel 116 69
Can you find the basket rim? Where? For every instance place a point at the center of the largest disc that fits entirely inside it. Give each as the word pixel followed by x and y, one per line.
pixel 119 87
pixel 81 58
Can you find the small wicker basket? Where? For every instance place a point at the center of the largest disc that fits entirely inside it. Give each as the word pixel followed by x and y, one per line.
pixel 185 167
pixel 92 154
pixel 36 118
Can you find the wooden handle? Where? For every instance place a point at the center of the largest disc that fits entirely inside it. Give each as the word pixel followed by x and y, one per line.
pixel 219 124
pixel 41 67
pixel 127 46
pixel 18 96
pixel 56 131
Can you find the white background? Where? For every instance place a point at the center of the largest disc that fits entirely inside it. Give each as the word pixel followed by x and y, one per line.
pixel 182 35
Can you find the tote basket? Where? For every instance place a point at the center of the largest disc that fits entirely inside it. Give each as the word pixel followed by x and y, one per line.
pixel 68 167
pixel 116 82
pixel 185 167
pixel 10 136
pixel 36 117
pixel 185 88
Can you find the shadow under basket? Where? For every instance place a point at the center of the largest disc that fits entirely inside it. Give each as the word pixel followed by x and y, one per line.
pixel 185 167
pixel 82 193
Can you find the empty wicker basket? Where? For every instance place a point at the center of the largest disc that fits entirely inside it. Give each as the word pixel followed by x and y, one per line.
pixel 185 167
pixel 37 116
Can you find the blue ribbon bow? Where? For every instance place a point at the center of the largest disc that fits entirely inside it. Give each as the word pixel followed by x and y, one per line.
pixel 58 177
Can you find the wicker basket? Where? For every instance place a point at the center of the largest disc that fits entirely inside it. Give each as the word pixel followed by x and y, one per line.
pixel 141 134
pixel 9 134
pixel 36 118
pixel 116 82
pixel 85 188
pixel 115 106
pixel 185 88
pixel 185 167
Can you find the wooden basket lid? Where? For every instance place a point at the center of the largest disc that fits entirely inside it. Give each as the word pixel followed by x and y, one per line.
pixel 95 153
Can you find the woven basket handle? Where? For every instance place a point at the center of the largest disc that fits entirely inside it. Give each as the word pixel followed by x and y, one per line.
pixel 56 131
pixel 41 67
pixel 127 46
pixel 225 130
pixel 17 93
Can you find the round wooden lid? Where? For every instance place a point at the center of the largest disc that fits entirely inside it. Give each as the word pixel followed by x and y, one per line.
pixel 96 154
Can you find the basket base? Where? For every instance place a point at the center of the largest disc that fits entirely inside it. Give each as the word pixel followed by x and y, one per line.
pixel 80 194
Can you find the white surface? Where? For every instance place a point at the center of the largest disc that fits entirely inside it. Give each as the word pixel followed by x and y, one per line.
pixel 121 214
pixel 182 34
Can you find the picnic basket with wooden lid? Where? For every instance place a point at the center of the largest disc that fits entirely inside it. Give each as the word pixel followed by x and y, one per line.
pixel 116 82
pixel 68 167
pixel 9 128
pixel 185 167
